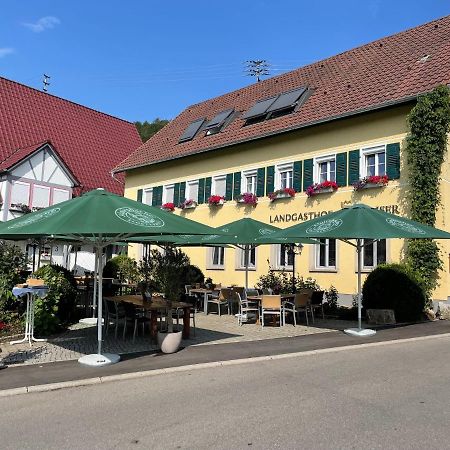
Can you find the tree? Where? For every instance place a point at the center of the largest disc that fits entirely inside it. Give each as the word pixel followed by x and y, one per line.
pixel 147 129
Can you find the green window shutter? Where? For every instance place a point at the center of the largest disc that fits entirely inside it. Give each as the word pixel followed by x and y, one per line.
pixel 157 196
pixel 297 176
pixel 270 180
pixel 341 169
pixel 260 182
pixel 201 191
pixel 176 194
pixel 139 195
pixel 208 182
pixel 182 192
pixel 353 166
pixel 236 184
pixel 393 161
pixel 308 173
pixel 229 187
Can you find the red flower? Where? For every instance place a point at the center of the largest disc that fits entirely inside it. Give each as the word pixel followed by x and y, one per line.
pixel 215 200
pixel 168 206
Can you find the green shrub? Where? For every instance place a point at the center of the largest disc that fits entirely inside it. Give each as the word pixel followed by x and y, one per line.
pixel 281 282
pixel 57 307
pixel 191 274
pixel 122 267
pixel 397 287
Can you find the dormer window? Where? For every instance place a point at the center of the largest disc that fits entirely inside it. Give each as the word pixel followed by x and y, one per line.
pixel 192 129
pixel 218 122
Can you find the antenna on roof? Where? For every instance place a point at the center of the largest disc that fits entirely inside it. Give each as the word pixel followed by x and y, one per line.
pixel 257 68
pixel 45 82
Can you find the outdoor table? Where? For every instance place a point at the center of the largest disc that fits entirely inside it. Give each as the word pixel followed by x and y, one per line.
pixel 284 297
pixel 31 293
pixel 157 304
pixel 205 292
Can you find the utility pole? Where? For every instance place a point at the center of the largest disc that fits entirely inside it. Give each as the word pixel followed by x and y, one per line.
pixel 257 68
pixel 46 82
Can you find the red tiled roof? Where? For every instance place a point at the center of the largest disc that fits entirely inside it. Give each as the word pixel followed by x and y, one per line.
pixel 383 72
pixel 89 142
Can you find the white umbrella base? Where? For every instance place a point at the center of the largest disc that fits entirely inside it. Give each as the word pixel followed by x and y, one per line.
pixel 96 360
pixel 89 321
pixel 363 332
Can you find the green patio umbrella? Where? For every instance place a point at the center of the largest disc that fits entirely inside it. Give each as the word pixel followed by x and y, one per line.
pixel 242 233
pixel 99 218
pixel 361 222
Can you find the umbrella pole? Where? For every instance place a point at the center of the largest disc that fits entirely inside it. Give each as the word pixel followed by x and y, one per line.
pixel 100 303
pixel 246 266
pixel 359 248
pixel 94 295
pixel 293 269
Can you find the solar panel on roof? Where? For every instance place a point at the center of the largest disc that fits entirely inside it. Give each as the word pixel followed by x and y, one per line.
pixel 286 99
pixel 191 130
pixel 259 108
pixel 219 119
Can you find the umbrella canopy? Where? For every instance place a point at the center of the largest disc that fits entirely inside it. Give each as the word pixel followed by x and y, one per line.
pixel 362 223
pixel 100 213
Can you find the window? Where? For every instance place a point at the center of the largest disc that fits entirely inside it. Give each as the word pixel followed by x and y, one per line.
pixel 374 161
pixel 216 258
pixel 60 195
pixel 284 176
pixel 41 196
pixel 148 196
pixel 325 254
pixel 20 193
pixel 249 180
pixel 219 185
pixel 325 169
pixel 169 191
pixel 191 130
pixel 374 253
pixel 251 258
pixel 217 122
pixel 192 190
pixel 285 257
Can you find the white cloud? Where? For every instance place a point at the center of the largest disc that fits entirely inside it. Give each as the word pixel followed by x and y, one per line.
pixel 5 51
pixel 44 23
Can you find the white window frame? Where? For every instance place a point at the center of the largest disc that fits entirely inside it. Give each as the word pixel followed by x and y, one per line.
pixel 276 258
pixel 55 190
pixel 165 189
pixel 368 151
pixel 244 178
pixel 36 186
pixel 22 183
pixel 188 193
pixel 281 168
pixel 324 159
pixel 210 259
pixel 214 185
pixel 240 259
pixel 146 194
pixel 316 257
pixel 375 256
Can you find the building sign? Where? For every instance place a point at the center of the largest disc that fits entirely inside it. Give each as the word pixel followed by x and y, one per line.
pixel 303 216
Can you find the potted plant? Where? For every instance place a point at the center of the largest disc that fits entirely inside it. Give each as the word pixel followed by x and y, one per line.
pixel 282 193
pixel 372 181
pixel 247 198
pixel 168 267
pixel 168 206
pixel 321 188
pixel 188 204
pixel 216 200
pixel 20 207
pixel 145 269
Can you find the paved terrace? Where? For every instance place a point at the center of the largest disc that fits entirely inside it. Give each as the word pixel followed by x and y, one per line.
pixel 80 339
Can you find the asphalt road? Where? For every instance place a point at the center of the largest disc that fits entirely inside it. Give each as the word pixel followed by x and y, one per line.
pixel 389 397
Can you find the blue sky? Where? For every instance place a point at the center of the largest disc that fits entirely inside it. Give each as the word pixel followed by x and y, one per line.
pixel 141 59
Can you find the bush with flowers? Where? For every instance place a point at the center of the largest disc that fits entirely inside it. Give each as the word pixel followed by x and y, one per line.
pixel 216 200
pixel 281 193
pixel 317 188
pixel 188 203
pixel 378 180
pixel 248 198
pixel 168 206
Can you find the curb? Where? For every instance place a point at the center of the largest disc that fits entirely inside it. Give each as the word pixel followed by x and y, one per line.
pixel 149 373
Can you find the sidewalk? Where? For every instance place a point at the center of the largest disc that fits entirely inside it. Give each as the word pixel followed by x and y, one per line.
pixel 32 375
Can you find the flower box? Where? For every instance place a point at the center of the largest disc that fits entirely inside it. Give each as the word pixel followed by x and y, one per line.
pixel 188 204
pixel 19 207
pixel 247 198
pixel 216 200
pixel 326 187
pixel 371 182
pixel 282 193
pixel 168 207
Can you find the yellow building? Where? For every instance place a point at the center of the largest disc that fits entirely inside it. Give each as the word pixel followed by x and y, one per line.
pixel 339 120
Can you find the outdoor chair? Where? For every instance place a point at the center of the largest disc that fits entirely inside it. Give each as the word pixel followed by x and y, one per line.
pixel 193 300
pixel 114 312
pixel 317 303
pixel 267 291
pixel 301 303
pixel 248 310
pixel 271 306
pixel 251 292
pixel 187 288
pixel 136 316
pixel 220 300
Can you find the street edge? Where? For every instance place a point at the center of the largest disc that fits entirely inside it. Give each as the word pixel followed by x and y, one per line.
pixel 186 368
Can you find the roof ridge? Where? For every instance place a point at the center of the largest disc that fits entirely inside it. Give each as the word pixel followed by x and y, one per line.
pixel 65 100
